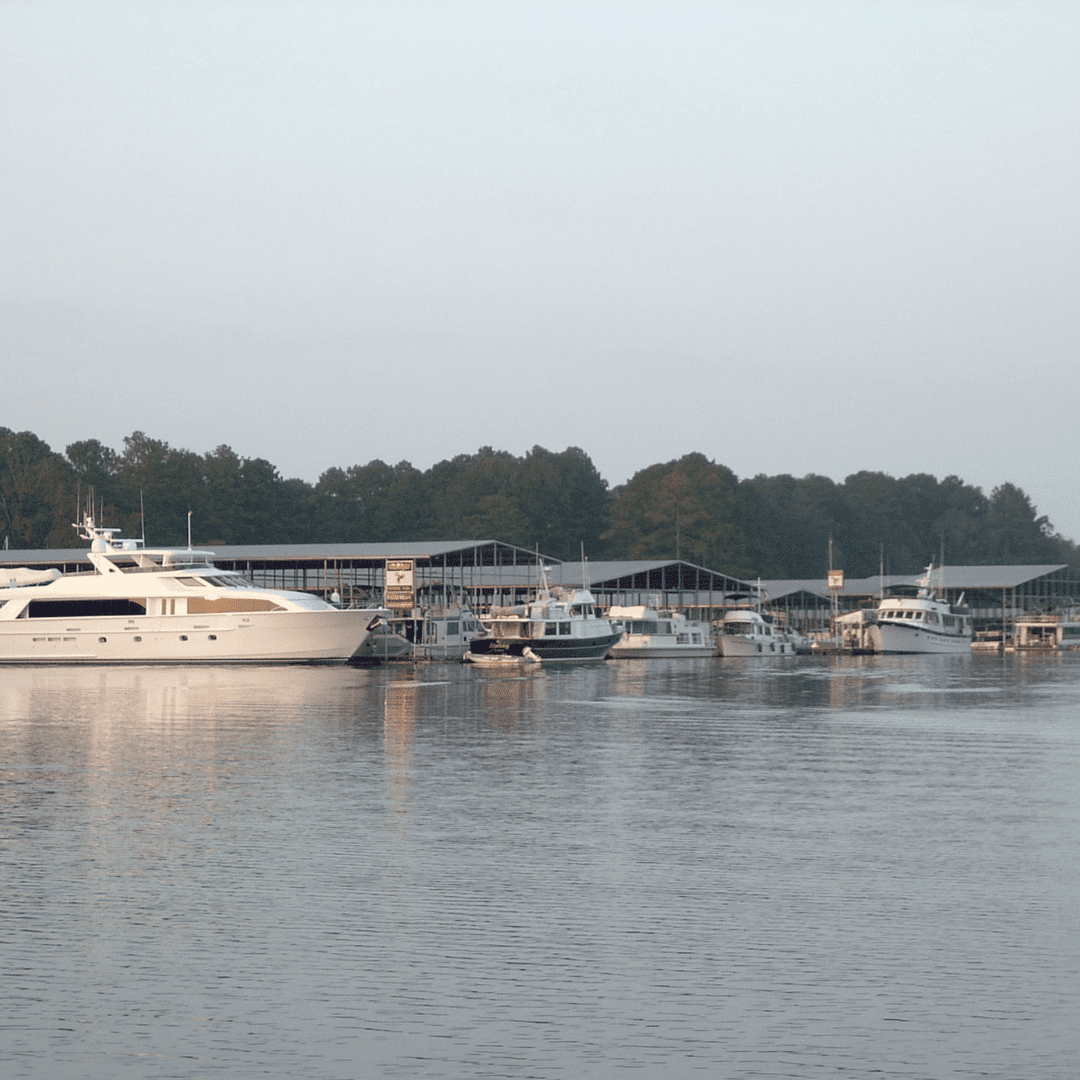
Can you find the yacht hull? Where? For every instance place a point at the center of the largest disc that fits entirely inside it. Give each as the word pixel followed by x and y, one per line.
pixel 665 652
pixel 736 645
pixel 914 639
pixel 546 649
pixel 284 637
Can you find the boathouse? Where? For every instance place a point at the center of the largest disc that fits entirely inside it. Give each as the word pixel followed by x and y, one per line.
pixel 487 572
pixel 491 572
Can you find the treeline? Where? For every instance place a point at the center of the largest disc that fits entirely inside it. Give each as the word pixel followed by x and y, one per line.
pixel 693 508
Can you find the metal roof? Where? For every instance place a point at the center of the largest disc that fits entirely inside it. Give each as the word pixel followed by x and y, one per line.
pixel 609 574
pixel 952 577
pixel 374 552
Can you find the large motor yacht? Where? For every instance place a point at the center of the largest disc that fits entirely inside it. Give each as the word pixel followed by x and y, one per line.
pixel 140 605
pixel 923 623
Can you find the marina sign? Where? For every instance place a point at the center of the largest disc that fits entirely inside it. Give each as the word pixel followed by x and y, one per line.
pixel 398 590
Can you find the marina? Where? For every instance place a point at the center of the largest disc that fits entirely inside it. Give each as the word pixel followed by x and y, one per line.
pixel 419 619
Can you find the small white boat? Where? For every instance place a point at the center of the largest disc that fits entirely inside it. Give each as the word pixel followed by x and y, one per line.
pixel 556 624
pixel 648 632
pixel 923 623
pixel 503 659
pixel 140 606
pixel 746 632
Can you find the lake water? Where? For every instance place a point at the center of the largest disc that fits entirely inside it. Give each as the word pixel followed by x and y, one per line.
pixel 853 867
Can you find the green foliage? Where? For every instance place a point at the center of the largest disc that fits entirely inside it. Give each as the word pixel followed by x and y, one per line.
pixel 691 508
pixel 694 508
pixel 37 501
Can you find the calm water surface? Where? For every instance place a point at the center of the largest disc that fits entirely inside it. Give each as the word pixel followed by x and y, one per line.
pixel 856 867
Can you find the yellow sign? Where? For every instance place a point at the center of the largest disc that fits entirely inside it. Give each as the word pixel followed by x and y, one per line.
pixel 836 579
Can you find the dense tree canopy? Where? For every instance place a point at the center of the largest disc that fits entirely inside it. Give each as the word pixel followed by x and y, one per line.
pixel 694 508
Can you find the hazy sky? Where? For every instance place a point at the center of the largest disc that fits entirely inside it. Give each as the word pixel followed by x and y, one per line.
pixel 796 237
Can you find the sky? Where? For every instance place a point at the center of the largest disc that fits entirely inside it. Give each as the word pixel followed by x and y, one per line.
pixel 797 237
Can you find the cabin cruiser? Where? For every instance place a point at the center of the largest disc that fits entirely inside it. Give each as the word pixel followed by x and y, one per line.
pixel 140 605
pixel 923 623
pixel 648 632
pixel 556 624
pixel 430 632
pixel 746 632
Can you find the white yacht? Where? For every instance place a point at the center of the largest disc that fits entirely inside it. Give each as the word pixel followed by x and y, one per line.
pixel 923 623
pixel 746 632
pixel 648 632
pixel 556 624
pixel 141 605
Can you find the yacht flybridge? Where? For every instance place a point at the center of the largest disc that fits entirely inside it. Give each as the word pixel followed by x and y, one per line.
pixel 142 605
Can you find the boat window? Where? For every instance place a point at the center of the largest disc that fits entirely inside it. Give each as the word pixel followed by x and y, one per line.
pixel 198 605
pixel 192 582
pixel 453 629
pixel 564 628
pixel 551 629
pixel 84 609
pixel 932 616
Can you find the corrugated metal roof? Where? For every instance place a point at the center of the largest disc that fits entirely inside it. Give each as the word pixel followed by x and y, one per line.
pixel 777 588
pixel 953 577
pixel 608 573
pixel 422 549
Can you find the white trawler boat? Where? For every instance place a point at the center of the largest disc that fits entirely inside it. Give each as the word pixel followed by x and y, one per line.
pixel 557 624
pixel 141 605
pixel 745 632
pixel 923 623
pixel 648 632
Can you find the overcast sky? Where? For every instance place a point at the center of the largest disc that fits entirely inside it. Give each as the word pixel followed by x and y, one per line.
pixel 796 237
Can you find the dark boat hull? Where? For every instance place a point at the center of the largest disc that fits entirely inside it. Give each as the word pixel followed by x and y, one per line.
pixel 547 649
